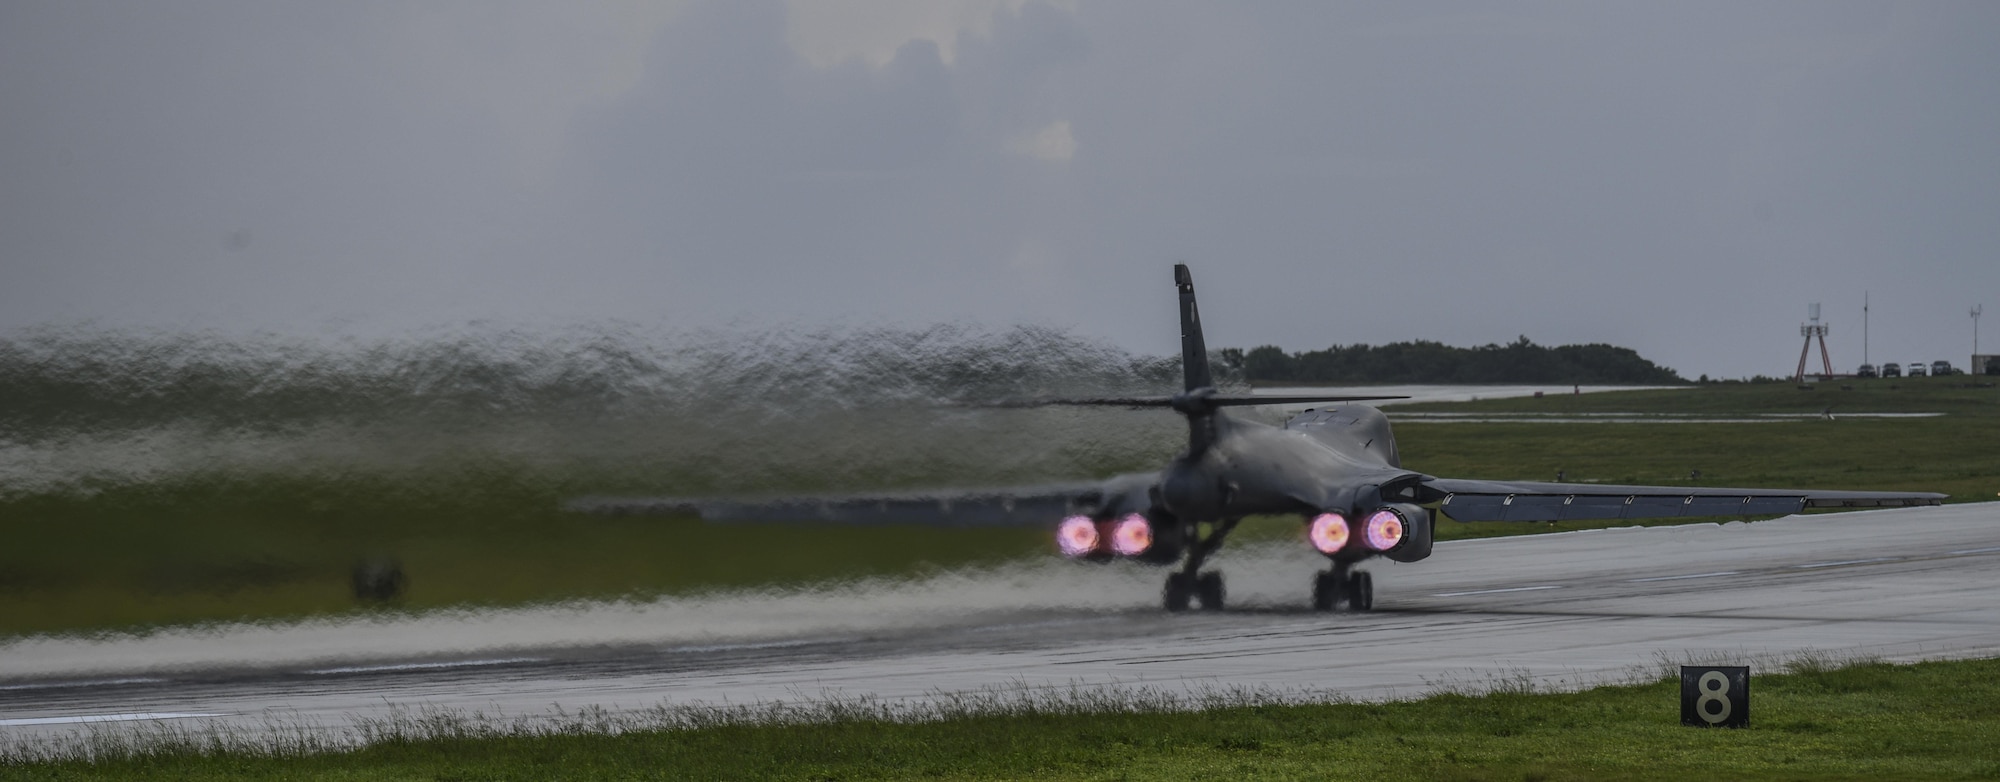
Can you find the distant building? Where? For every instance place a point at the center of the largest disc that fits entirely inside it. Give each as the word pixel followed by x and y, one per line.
pixel 1984 364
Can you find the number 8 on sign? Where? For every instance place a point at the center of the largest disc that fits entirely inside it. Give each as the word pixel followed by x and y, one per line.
pixel 1711 706
pixel 1715 696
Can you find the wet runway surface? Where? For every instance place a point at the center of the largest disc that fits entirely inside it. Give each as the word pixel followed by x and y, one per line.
pixel 1561 610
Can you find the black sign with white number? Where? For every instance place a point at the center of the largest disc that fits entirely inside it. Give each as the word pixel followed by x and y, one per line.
pixel 1715 696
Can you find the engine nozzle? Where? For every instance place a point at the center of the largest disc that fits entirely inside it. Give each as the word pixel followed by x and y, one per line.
pixel 1385 530
pixel 1077 537
pixel 1131 535
pixel 1328 533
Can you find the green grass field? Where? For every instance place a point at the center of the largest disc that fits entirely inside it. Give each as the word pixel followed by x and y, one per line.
pixel 1952 453
pixel 279 546
pixel 1818 721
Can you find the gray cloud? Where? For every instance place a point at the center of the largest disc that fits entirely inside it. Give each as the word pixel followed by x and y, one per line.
pixel 1681 179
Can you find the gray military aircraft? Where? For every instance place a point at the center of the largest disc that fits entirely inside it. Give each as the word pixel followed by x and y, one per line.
pixel 1336 468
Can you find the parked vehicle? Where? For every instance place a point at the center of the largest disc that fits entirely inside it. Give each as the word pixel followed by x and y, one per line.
pixel 1914 369
pixel 1892 369
pixel 1942 368
pixel 1866 370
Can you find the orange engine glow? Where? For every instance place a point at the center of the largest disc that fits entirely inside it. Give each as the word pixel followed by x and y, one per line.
pixel 1385 529
pixel 1131 535
pixel 1328 532
pixel 1076 536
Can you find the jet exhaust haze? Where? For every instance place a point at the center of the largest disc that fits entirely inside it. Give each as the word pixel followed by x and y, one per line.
pixel 1335 467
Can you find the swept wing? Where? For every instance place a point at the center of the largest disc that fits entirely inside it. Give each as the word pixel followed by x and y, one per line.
pixel 1032 506
pixel 1476 500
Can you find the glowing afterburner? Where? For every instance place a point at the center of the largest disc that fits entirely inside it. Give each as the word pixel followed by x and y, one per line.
pixel 1385 529
pixel 1077 536
pixel 1328 533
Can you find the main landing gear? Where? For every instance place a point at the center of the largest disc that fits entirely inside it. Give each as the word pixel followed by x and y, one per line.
pixel 1343 586
pixel 1190 584
pixel 1182 589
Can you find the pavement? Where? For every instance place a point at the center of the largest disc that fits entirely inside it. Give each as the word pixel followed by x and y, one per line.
pixel 1562 610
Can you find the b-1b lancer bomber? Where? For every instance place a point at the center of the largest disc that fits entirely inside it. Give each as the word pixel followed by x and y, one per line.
pixel 1334 468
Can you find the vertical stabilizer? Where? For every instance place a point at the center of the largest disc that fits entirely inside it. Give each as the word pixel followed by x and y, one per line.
pixel 1194 352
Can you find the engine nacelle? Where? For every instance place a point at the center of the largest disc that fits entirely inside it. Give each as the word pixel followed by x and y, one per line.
pixel 1151 538
pixel 1399 531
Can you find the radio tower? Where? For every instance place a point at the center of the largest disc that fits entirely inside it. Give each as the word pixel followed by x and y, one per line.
pixel 1810 330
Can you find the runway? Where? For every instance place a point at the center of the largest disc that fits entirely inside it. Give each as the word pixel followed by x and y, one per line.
pixel 1565 610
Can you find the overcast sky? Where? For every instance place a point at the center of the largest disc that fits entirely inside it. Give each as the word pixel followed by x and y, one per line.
pixel 1681 178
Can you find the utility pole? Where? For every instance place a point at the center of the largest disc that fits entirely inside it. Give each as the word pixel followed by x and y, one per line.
pixel 1864 330
pixel 1975 340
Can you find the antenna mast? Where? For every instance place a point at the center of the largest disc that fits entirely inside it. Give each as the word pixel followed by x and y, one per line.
pixel 1864 331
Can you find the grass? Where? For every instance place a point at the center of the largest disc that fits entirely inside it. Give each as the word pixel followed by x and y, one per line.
pixel 280 546
pixel 1817 720
pixel 1952 453
pixel 1958 395
pixel 138 557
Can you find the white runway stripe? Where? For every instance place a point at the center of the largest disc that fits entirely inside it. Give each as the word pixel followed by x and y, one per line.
pixel 80 683
pixel 1846 562
pixel 1716 574
pixel 82 719
pixel 423 666
pixel 1496 591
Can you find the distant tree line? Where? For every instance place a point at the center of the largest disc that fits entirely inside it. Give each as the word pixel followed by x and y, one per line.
pixel 1521 361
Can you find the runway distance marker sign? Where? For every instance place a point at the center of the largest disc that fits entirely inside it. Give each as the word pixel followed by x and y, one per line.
pixel 1715 696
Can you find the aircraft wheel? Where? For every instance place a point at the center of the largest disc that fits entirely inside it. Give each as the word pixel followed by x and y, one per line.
pixel 1180 589
pixel 1360 592
pixel 1326 591
pixel 1208 587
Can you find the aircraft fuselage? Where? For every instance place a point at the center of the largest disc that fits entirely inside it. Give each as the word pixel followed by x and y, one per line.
pixel 1311 464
